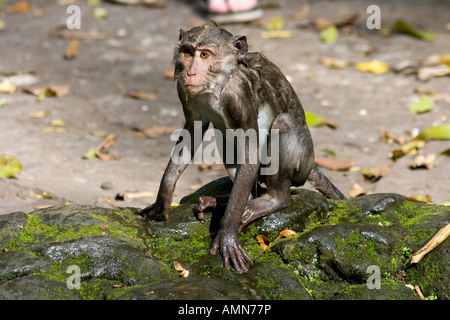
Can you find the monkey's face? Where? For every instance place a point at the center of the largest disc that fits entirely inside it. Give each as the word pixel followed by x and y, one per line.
pixel 198 63
pixel 205 56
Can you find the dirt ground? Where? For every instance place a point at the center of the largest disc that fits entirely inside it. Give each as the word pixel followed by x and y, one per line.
pixel 134 51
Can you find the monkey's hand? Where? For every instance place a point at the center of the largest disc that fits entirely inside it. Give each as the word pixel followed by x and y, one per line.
pixel 228 244
pixel 156 211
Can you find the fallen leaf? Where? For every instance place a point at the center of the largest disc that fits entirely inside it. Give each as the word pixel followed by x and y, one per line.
pixel 374 66
pixel 284 34
pixel 19 7
pixel 376 173
pixel 9 166
pixel 206 167
pixel 54 130
pixel 421 106
pixel 275 23
pixel 117 285
pixel 424 161
pixel 61 31
pixel 339 165
pixel 263 241
pixel 438 238
pixel 445 153
pixel 135 195
pixel 437 96
pixel 426 73
pixel 357 190
pixel 6 87
pixel 41 195
pixel 329 34
pixel 99 13
pixel 287 233
pixel 403 27
pixel 91 154
pixel 313 119
pixel 73 49
pixel 440 132
pixel 58 122
pixel 169 74
pixel 177 266
pixel 149 96
pixel 51 91
pixel 322 23
pixel 423 198
pixel 333 62
pixel 303 13
pixel 156 130
pixel 41 114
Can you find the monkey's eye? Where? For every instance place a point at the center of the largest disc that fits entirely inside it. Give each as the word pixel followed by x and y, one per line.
pixel 204 55
pixel 187 53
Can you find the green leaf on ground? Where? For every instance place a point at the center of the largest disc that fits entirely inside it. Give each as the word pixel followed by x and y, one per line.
pixel 421 106
pixel 9 166
pixel 403 27
pixel 329 35
pixel 441 132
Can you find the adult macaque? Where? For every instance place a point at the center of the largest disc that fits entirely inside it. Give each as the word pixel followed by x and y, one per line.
pixel 219 82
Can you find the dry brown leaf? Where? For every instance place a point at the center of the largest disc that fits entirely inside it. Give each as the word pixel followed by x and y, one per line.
pixel 303 13
pixel 339 165
pixel 424 161
pixel 438 238
pixel 41 114
pixel 357 190
pixel 73 49
pixel 376 173
pixel 142 95
pixel 263 241
pixel 433 94
pixel 169 74
pixel 333 62
pixel 51 91
pixel 177 266
pixel 54 130
pixel 424 198
pixel 286 233
pixel 156 131
pixel 135 195
pixel 106 143
pixel 19 7
pixel 61 31
pixel 6 87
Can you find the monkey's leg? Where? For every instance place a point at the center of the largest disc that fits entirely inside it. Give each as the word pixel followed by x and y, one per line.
pixel 295 153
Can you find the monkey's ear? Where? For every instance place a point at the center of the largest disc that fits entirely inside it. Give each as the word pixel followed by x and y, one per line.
pixel 182 34
pixel 240 43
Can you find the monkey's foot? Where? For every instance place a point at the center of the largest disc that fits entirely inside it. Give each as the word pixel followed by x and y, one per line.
pixel 154 212
pixel 204 203
pixel 232 252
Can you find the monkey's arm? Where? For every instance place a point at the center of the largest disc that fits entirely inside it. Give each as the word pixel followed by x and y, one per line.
pixel 244 114
pixel 227 239
pixel 160 209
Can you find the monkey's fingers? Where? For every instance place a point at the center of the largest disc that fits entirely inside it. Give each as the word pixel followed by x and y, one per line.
pixel 215 246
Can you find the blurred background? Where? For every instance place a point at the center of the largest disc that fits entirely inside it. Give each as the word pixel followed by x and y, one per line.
pixel 88 102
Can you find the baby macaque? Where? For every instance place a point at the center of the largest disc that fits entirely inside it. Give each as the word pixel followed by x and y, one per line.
pixel 220 82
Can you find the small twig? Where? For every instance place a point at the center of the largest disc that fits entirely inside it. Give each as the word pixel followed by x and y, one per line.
pixel 439 237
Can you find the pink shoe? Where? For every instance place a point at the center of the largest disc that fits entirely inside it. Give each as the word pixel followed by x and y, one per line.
pixel 231 17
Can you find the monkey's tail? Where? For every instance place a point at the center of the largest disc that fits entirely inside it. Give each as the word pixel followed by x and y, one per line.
pixel 321 183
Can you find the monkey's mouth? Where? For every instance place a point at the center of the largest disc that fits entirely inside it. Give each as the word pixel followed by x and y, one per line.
pixel 194 89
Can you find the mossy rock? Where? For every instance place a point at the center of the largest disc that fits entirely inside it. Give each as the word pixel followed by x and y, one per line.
pixel 122 256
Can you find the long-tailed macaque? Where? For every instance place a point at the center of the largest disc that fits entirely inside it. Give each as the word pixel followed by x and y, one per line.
pixel 219 82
